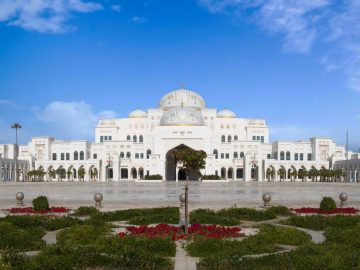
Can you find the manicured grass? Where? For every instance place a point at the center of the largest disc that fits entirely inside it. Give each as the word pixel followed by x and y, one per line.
pixel 233 216
pixel 12 237
pixel 265 241
pixel 340 251
pixel 63 257
pixel 320 223
pixel 307 257
pixel 144 216
pixel 86 244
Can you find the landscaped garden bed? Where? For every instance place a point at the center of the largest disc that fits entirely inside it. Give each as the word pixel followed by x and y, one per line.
pixel 309 210
pixel 196 231
pixel 31 210
pixel 234 215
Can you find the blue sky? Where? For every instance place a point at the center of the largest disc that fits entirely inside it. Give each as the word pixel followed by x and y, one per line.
pixel 66 63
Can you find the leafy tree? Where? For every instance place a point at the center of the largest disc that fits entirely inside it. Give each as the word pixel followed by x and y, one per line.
pixel 270 173
pixel 191 160
pixel 52 173
pixel 282 173
pixel 302 173
pixel 69 174
pixel 81 173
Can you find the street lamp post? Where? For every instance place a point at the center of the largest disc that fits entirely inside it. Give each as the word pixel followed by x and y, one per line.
pixel 16 126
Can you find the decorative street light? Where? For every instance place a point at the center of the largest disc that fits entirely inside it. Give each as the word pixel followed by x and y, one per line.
pixel 16 126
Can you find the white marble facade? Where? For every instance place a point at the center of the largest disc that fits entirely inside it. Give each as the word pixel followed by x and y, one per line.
pixel 129 148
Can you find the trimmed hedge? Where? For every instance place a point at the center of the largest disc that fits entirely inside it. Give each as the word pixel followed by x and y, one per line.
pixel 153 177
pixel 233 216
pixel 210 177
pixel 41 203
pixel 327 203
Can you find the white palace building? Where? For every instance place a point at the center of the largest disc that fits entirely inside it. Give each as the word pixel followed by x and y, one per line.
pixel 143 144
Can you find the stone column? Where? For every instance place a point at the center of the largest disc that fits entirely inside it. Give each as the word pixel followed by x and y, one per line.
pixel 177 174
pixel 247 169
pixel 260 172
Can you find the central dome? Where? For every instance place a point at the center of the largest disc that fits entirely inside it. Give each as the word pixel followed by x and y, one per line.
pixel 182 98
pixel 182 116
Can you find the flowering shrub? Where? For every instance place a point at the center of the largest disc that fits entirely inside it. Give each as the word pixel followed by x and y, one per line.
pixel 196 231
pixel 30 210
pixel 309 210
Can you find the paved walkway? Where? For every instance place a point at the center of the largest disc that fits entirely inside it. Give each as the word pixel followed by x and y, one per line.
pixel 122 195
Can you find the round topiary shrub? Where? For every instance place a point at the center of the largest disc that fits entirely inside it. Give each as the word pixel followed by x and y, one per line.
pixel 40 203
pixel 327 203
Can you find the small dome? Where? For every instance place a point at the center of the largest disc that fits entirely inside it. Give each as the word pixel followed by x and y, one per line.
pixel 138 114
pixel 182 116
pixel 107 122
pixel 226 114
pixel 182 98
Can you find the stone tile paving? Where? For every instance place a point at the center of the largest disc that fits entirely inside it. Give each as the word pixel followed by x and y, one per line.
pixel 126 194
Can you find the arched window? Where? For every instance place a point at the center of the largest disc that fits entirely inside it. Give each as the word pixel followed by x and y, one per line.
pixel 236 138
pixel 239 173
pixel 141 138
pixel 62 157
pixel 76 155
pixel 230 173
pixel 148 153
pixel 287 155
pixel 122 155
pixel 282 155
pixel 223 173
pixel 223 138
pixel 296 156
pixel 81 155
pixel 128 138
pixel 235 155
pixel 135 138
pixel 128 155
pixel 242 155
pixel 301 156
pixel 229 138
pixel 216 154
pixel 54 156
pixel 67 156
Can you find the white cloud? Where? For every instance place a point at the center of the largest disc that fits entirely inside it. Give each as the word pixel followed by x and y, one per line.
pixel 295 19
pixel 9 103
pixel 116 8
pixel 75 119
pixel 139 20
pixel 46 16
pixel 302 23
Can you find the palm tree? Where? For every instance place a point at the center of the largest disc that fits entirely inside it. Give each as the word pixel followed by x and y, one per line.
pixel 293 174
pixel 270 173
pixel 52 173
pixel 69 174
pixel 303 173
pixel 93 174
pixel 313 173
pixel 282 173
pixel 81 173
pixel 323 174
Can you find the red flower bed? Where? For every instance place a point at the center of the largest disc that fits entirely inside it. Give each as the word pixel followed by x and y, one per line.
pixel 309 210
pixel 177 233
pixel 30 210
